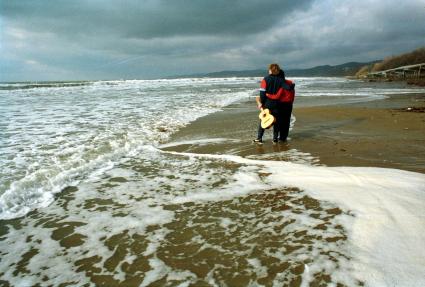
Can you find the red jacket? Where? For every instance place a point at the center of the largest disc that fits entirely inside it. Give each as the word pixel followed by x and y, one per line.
pixel 288 95
pixel 275 89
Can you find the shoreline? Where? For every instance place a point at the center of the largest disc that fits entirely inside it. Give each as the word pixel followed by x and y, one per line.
pixel 386 133
pixel 158 216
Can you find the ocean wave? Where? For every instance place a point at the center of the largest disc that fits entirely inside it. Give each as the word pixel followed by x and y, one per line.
pixel 56 137
pixel 25 86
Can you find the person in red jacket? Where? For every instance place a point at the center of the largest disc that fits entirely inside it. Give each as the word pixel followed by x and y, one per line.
pixel 271 90
pixel 285 105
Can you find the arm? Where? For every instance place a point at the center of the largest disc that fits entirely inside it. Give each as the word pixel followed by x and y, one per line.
pixel 275 96
pixel 285 86
pixel 258 101
pixel 261 99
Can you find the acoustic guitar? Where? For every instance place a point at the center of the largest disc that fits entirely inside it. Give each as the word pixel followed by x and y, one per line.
pixel 267 119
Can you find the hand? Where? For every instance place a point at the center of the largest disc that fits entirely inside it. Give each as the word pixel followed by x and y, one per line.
pixel 259 106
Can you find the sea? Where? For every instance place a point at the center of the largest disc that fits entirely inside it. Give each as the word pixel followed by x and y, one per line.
pixel 88 196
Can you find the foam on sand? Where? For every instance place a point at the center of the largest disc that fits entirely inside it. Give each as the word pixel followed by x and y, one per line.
pixel 389 227
pixel 201 142
pixel 187 218
pixel 387 231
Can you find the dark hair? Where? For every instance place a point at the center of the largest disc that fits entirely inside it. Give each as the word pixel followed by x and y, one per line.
pixel 282 74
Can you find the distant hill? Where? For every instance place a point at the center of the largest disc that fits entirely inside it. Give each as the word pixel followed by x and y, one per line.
pixel 226 74
pixel 411 58
pixel 343 70
pixel 349 69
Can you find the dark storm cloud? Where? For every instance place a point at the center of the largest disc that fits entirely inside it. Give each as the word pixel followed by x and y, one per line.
pixel 150 19
pixel 161 37
pixel 151 38
pixel 338 31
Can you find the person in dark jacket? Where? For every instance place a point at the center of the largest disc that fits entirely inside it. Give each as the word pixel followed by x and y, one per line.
pixel 285 105
pixel 271 89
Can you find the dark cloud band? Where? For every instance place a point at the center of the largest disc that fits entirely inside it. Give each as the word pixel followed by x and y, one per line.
pixel 96 39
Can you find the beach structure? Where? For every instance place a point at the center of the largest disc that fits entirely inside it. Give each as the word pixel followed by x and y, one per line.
pixel 416 71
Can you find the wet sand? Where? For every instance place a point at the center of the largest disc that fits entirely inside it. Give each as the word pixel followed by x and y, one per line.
pixel 116 231
pixel 381 133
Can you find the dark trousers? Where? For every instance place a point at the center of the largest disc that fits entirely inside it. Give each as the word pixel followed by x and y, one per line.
pixel 284 119
pixel 260 132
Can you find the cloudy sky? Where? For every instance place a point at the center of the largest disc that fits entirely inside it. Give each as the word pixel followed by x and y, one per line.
pixel 131 39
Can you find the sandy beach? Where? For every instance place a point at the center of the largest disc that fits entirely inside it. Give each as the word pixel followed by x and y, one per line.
pixel 382 133
pixel 131 197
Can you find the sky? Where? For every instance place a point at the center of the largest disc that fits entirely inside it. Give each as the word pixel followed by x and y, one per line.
pixel 145 39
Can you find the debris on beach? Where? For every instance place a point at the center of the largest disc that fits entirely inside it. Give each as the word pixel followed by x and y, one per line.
pixel 412 109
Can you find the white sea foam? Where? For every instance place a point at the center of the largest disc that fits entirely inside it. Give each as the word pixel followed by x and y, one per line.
pixel 205 141
pixel 291 155
pixel 383 211
pixel 388 228
pixel 57 135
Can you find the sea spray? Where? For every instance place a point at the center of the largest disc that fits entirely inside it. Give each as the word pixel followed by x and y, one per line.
pixel 56 135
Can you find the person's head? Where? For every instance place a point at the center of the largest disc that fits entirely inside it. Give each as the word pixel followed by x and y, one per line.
pixel 282 74
pixel 274 69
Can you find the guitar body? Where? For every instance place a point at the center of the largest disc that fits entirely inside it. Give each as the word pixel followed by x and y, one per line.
pixel 267 119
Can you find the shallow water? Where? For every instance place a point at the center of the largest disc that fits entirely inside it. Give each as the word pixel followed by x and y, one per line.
pixel 215 222
pixel 104 206
pixel 53 137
